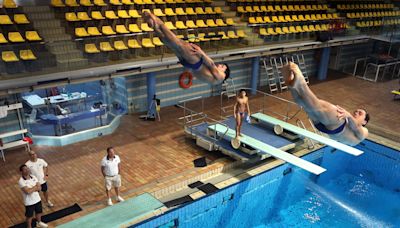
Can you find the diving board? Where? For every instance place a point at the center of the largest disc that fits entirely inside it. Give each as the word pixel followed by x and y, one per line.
pixel 119 215
pixel 308 134
pixel 265 148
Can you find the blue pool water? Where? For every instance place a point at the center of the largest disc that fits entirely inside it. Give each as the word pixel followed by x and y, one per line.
pixel 359 191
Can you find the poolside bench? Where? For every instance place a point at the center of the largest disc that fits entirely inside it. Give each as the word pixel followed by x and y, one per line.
pixel 13 144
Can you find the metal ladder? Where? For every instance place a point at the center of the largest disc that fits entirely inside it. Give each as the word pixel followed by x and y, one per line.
pixel 277 64
pixel 271 80
pixel 229 88
pixel 299 60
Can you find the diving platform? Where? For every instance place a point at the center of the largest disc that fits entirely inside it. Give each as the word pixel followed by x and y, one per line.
pixel 290 127
pixel 267 149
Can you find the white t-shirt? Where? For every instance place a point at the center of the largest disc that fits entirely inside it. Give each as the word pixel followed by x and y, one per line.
pixel 32 198
pixel 36 169
pixel 111 166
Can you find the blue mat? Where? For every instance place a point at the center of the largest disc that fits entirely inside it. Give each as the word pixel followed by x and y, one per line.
pixel 118 215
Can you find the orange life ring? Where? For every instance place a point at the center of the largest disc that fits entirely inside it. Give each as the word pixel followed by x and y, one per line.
pixel 185 80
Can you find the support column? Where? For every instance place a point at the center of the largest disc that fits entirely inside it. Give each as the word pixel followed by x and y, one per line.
pixel 324 63
pixel 255 73
pixel 151 91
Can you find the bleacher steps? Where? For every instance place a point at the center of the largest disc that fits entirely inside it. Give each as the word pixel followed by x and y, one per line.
pixel 56 40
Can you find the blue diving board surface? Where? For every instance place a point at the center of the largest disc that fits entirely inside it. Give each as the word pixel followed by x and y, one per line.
pixel 308 134
pixel 118 215
pixel 268 149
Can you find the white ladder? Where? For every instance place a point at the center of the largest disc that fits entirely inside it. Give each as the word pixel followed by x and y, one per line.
pixel 299 59
pixel 229 89
pixel 277 64
pixel 271 80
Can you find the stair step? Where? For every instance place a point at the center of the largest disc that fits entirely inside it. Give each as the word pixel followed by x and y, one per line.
pixel 41 16
pixel 36 9
pixel 218 3
pixel 59 47
pixel 46 24
pixel 67 56
pixel 71 63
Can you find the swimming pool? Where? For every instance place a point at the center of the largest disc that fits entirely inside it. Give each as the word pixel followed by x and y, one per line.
pixel 359 191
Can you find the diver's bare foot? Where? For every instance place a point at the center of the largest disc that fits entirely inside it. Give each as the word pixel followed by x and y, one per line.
pixel 288 74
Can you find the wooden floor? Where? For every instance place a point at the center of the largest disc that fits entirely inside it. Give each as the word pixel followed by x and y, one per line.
pixel 157 154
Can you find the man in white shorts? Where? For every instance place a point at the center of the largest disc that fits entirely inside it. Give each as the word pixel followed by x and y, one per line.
pixel 30 187
pixel 110 168
pixel 38 168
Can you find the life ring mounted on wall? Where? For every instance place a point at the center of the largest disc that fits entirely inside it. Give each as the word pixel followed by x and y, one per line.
pixel 186 80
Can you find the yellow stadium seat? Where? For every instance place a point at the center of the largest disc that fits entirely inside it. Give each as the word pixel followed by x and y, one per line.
pixel 159 2
pixel 202 37
pixel 190 11
pixel 232 35
pixel 159 13
pixel 257 9
pixel 301 17
pixel 115 2
pixel 138 2
pixel 318 27
pixel 146 42
pixel 209 10
pixel 190 24
pixel 83 16
pixel 218 10
pixel 180 11
pixel 127 2
pixel 180 25
pixel 200 24
pixel 229 21
pixel 279 31
pixel 121 29
pixel 107 30
pixel 106 46
pixel 241 34
pixel 299 29
pixel 57 3
pixel 99 3
pixel 314 7
pixel 3 40
pixel 157 41
pixel 211 23
pixel 148 2
pixel 305 28
pixel 134 44
pixel 111 15
pixel 134 13
pixel 213 36
pixel 259 20
pixel 199 10
pixel 249 9
pixel 292 29
pixel 15 37
pixel 170 25
pixel 91 49
pixel 85 3
pixel 71 3
pixel 288 18
pixel 271 8
pixel 27 55
pixel 313 17
pixel 275 19
pixel 119 45
pixel 285 8
pixel 267 19
pixel 9 56
pixel 294 18
pixel 5 20
pixel 312 28
pixel 81 32
pixel 220 22
pixel 145 27
pixel 324 27
pixel 223 34
pixel 335 15
pixel 20 19
pixel 123 14
pixel 192 38
pixel 263 9
pixel 97 15
pixel 263 32
pixel 134 28
pixel 309 7
pixel 93 31
pixel 307 17
pixel 271 31
pixel 169 12
pixel 240 9
pixel 71 16
pixel 297 8
pixel 286 30
pixel 278 8
pixel 9 4
pixel 32 36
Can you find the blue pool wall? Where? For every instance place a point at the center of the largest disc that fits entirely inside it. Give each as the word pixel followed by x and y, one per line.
pixel 224 204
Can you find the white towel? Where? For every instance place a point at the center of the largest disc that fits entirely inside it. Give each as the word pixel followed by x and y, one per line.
pixel 3 111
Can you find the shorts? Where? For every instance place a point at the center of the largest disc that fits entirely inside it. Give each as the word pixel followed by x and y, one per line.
pixel 114 181
pixel 37 208
pixel 44 187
